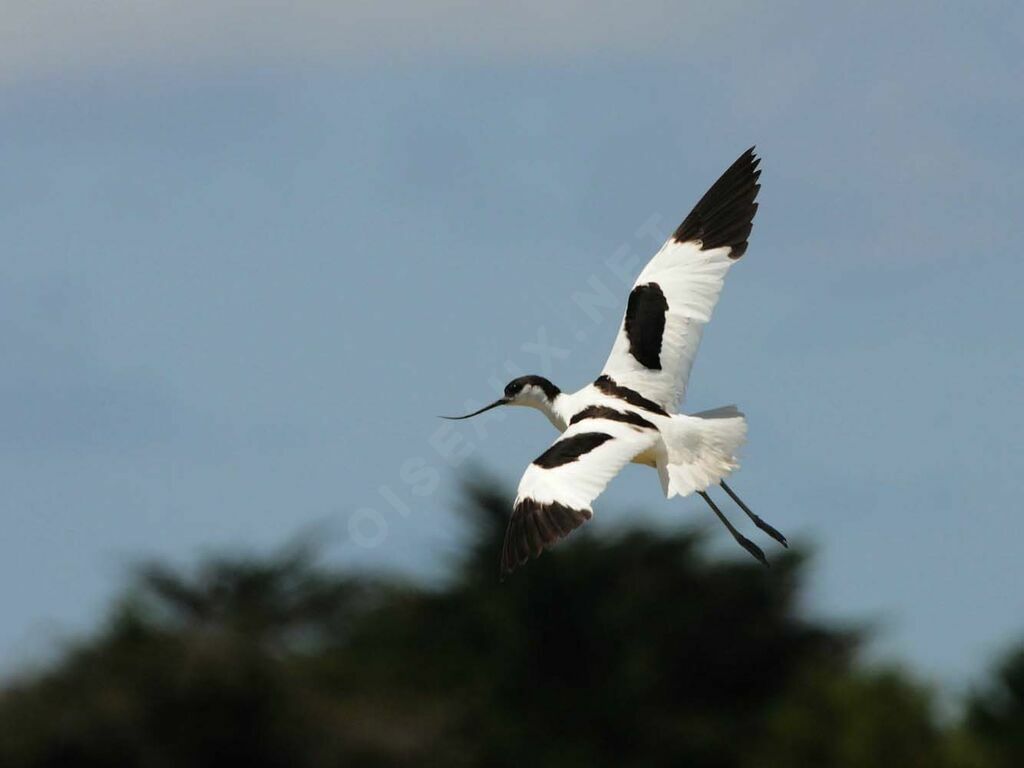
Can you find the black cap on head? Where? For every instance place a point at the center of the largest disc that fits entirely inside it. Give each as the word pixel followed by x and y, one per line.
pixel 512 389
pixel 516 386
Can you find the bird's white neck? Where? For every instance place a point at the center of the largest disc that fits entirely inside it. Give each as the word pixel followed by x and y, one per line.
pixel 555 410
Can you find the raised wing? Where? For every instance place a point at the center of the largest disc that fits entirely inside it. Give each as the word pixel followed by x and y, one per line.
pixel 676 292
pixel 557 488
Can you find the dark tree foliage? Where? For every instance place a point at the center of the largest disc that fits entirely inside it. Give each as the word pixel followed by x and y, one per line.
pixel 996 716
pixel 637 651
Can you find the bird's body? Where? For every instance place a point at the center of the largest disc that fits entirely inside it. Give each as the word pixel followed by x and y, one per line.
pixel 671 434
pixel 629 414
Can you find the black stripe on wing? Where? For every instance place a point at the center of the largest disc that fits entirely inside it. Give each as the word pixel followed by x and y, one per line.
pixel 611 414
pixel 645 324
pixel 725 215
pixel 610 387
pixel 534 527
pixel 569 449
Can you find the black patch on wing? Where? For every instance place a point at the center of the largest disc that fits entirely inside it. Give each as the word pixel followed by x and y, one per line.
pixel 604 412
pixel 569 449
pixel 645 324
pixel 725 215
pixel 607 384
pixel 534 527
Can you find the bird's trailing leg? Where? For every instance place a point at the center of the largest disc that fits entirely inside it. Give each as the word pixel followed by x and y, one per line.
pixel 770 530
pixel 742 540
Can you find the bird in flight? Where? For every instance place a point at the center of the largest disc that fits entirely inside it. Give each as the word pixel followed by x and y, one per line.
pixel 630 412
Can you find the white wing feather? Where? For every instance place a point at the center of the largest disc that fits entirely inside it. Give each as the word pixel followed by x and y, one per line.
pixel 678 289
pixel 557 488
pixel 692 281
pixel 577 483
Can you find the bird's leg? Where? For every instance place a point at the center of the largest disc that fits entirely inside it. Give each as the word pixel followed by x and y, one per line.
pixel 770 530
pixel 742 540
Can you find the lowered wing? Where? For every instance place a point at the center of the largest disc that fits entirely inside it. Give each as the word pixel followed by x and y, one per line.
pixel 558 487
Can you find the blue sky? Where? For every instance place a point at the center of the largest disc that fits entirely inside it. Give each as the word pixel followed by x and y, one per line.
pixel 247 257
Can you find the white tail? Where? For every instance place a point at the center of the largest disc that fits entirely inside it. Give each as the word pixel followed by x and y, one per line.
pixel 702 450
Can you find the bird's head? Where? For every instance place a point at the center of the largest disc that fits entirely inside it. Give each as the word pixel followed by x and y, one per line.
pixel 531 391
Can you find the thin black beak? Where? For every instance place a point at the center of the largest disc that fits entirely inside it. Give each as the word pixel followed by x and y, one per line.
pixel 495 404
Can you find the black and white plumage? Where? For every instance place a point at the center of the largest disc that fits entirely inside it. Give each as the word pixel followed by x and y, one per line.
pixel 629 414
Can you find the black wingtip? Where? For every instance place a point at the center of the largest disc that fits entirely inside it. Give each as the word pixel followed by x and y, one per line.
pixel 725 214
pixel 534 527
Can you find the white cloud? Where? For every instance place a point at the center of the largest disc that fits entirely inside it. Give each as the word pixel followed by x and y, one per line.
pixel 59 37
